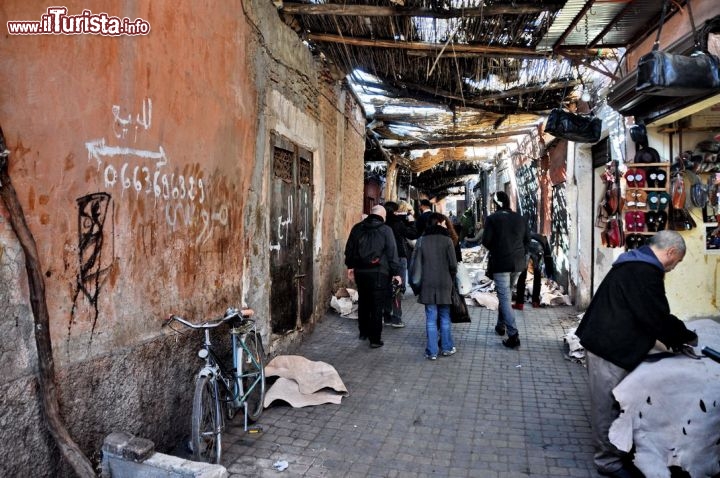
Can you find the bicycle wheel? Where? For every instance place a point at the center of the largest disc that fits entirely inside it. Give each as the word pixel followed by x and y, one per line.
pixel 253 372
pixel 206 421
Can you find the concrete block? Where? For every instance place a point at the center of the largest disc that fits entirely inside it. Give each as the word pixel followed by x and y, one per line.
pixel 127 456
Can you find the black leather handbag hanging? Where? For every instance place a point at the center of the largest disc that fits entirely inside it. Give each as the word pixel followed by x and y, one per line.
pixel 573 127
pixel 665 74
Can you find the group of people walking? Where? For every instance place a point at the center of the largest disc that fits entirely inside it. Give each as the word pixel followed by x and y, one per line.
pixel 386 234
pixel 617 330
pixel 381 261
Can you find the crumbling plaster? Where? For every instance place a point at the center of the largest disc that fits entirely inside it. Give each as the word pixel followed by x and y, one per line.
pixel 197 98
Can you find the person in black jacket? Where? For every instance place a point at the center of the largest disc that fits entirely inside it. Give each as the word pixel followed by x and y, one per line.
pixel 507 239
pixel 425 211
pixel 627 315
pixel 403 228
pixel 435 255
pixel 373 280
pixel 540 255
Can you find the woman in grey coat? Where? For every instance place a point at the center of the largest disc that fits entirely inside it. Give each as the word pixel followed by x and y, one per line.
pixel 435 255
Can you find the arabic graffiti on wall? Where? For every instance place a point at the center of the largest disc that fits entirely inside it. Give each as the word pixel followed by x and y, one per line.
pixel 185 198
pixel 283 226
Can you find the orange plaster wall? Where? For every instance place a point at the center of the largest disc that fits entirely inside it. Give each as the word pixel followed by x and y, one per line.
pixel 162 113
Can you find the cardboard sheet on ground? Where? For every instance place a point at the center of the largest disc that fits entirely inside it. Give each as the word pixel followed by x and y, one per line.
pixel 671 411
pixel 303 382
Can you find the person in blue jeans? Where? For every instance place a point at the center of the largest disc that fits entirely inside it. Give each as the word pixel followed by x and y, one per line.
pixel 507 239
pixel 435 256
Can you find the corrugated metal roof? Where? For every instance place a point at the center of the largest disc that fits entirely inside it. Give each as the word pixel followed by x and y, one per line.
pixel 562 22
pixel 615 23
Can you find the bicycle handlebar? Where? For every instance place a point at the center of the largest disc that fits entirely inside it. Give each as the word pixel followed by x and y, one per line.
pixel 230 313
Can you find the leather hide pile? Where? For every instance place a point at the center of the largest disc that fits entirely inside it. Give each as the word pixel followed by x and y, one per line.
pixel 671 411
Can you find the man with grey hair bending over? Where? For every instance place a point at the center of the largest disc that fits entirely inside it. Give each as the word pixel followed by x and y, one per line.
pixel 627 315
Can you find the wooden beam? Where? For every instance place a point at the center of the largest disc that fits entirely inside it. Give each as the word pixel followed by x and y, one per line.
pixel 403 45
pixel 430 96
pixel 467 143
pixel 588 65
pixel 391 180
pixel 455 54
pixel 398 11
pixel 482 101
pixel 466 137
pixel 529 89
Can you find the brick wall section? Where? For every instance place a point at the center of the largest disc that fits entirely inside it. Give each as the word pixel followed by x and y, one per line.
pixel 353 168
pixel 345 123
pixel 330 110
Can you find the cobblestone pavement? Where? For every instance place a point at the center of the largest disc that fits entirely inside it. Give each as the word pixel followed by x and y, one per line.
pixel 486 412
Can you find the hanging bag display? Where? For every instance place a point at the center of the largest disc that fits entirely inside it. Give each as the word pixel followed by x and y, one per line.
pixel 666 74
pixel 613 234
pixel 573 127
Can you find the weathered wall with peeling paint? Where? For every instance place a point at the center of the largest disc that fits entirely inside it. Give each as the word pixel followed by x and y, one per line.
pixel 142 164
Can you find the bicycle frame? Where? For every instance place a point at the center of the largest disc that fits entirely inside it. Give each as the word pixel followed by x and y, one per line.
pixel 231 380
pixel 238 334
pixel 219 387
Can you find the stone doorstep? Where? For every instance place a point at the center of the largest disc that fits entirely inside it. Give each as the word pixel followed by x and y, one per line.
pixel 127 456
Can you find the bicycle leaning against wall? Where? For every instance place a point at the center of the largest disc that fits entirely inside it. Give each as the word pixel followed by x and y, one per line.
pixel 221 387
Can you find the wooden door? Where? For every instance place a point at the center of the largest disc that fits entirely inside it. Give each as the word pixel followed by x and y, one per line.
pixel 291 236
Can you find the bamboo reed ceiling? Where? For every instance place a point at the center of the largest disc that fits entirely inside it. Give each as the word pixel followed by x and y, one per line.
pixel 435 74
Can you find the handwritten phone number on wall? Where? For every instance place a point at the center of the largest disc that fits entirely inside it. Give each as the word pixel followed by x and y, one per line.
pixel 157 183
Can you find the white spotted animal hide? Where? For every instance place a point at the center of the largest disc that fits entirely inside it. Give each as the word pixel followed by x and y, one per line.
pixel 671 411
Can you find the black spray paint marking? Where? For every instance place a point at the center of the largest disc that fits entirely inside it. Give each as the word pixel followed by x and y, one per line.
pixel 93 212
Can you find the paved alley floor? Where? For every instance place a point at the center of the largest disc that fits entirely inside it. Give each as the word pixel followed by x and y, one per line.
pixel 486 412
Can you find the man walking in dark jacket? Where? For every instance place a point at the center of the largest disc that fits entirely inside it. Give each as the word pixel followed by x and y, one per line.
pixel 425 211
pixel 507 238
pixel 372 272
pixel 626 316
pixel 403 229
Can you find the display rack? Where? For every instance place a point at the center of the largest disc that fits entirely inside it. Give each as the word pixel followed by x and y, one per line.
pixel 632 227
